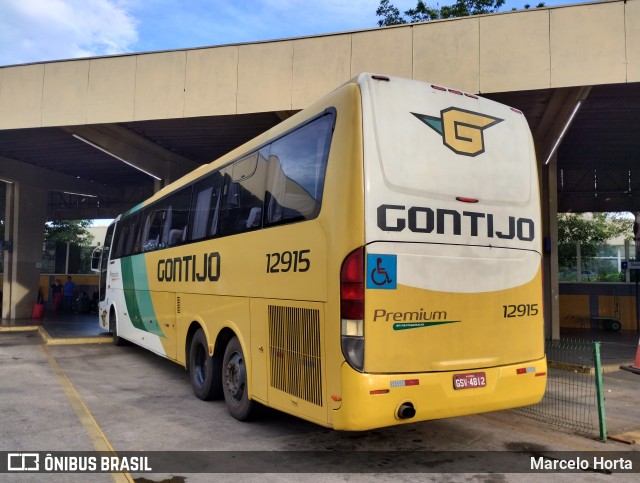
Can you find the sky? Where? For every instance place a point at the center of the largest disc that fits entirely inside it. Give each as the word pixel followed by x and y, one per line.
pixel 43 30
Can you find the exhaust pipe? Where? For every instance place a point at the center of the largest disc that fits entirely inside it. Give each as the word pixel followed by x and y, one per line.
pixel 406 411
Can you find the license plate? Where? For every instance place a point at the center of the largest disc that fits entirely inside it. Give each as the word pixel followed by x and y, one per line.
pixel 470 380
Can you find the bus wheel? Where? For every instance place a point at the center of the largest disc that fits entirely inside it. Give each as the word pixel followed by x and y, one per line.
pixel 113 328
pixel 201 368
pixel 234 382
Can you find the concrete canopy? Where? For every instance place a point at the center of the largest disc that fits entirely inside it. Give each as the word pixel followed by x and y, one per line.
pixel 67 126
pixel 169 112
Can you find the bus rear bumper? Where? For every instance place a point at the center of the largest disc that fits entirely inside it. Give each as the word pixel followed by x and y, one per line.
pixel 374 400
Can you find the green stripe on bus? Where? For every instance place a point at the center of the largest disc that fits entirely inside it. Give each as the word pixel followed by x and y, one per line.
pixel 137 295
pixel 417 325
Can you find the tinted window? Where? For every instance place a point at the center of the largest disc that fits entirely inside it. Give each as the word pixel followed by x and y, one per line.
pixel 281 183
pixel 297 166
pixel 174 228
pixel 104 261
pixel 126 239
pixel 151 236
pixel 243 195
pixel 205 207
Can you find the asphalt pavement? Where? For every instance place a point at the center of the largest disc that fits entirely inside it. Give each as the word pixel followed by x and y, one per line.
pixel 66 388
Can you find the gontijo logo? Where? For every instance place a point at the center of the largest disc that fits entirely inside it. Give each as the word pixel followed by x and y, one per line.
pixel 461 130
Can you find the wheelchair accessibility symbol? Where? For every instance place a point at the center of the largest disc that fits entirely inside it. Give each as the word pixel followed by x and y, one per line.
pixel 382 271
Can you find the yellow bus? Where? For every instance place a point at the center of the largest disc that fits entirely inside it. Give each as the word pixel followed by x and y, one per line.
pixel 371 261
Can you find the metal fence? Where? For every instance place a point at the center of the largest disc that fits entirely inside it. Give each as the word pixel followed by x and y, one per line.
pixel 574 397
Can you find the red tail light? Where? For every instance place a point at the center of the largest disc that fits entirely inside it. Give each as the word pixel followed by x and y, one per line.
pixel 352 309
pixel 352 286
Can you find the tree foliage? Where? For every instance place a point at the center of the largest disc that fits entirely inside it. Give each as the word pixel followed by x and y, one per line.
pixel 390 15
pixel 68 231
pixel 591 231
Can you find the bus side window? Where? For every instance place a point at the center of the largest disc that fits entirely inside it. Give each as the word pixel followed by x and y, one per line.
pixel 174 230
pixel 297 167
pixel 118 240
pixel 152 230
pixel 243 196
pixel 131 247
pixel 205 204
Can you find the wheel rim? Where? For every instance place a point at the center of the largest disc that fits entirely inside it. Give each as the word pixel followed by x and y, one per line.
pixel 235 377
pixel 200 365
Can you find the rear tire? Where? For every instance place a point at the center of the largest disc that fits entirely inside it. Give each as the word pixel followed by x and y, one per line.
pixel 205 379
pixel 113 328
pixel 234 382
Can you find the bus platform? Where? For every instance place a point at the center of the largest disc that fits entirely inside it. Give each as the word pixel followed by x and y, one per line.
pixel 617 347
pixel 61 328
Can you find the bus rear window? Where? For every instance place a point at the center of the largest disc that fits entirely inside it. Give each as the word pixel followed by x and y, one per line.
pixel 441 145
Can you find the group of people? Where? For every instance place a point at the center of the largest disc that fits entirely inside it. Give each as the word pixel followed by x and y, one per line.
pixel 63 293
pixel 67 299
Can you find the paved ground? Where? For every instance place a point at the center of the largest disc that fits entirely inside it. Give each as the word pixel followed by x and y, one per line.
pixel 88 397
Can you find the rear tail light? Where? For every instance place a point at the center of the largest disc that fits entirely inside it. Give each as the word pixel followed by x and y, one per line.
pixel 352 308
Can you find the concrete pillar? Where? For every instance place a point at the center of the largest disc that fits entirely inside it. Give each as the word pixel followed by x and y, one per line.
pixel 627 273
pixel 6 278
pixel 549 199
pixel 26 212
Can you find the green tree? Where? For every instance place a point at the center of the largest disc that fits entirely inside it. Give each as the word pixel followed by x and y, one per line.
pixel 68 231
pixel 592 233
pixel 390 15
pixel 526 6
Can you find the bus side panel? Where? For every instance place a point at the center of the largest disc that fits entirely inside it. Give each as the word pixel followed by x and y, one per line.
pixel 288 357
pixel 143 317
pixel 342 219
pixel 213 313
pixel 164 307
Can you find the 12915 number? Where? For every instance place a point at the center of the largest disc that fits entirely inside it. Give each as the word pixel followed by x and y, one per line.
pixel 521 310
pixel 294 261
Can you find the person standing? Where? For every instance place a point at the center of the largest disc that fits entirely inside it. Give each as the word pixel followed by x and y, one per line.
pixel 56 291
pixel 69 288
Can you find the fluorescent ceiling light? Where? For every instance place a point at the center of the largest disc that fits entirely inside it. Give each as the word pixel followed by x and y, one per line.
pixel 564 131
pixel 79 194
pixel 6 181
pixel 115 156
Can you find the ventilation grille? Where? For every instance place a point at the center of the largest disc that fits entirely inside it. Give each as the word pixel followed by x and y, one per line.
pixel 177 304
pixel 294 345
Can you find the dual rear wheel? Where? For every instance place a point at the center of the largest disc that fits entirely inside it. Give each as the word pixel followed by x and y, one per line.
pixel 212 378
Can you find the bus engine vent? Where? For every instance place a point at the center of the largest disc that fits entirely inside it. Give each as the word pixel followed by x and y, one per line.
pixel 178 304
pixel 294 346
